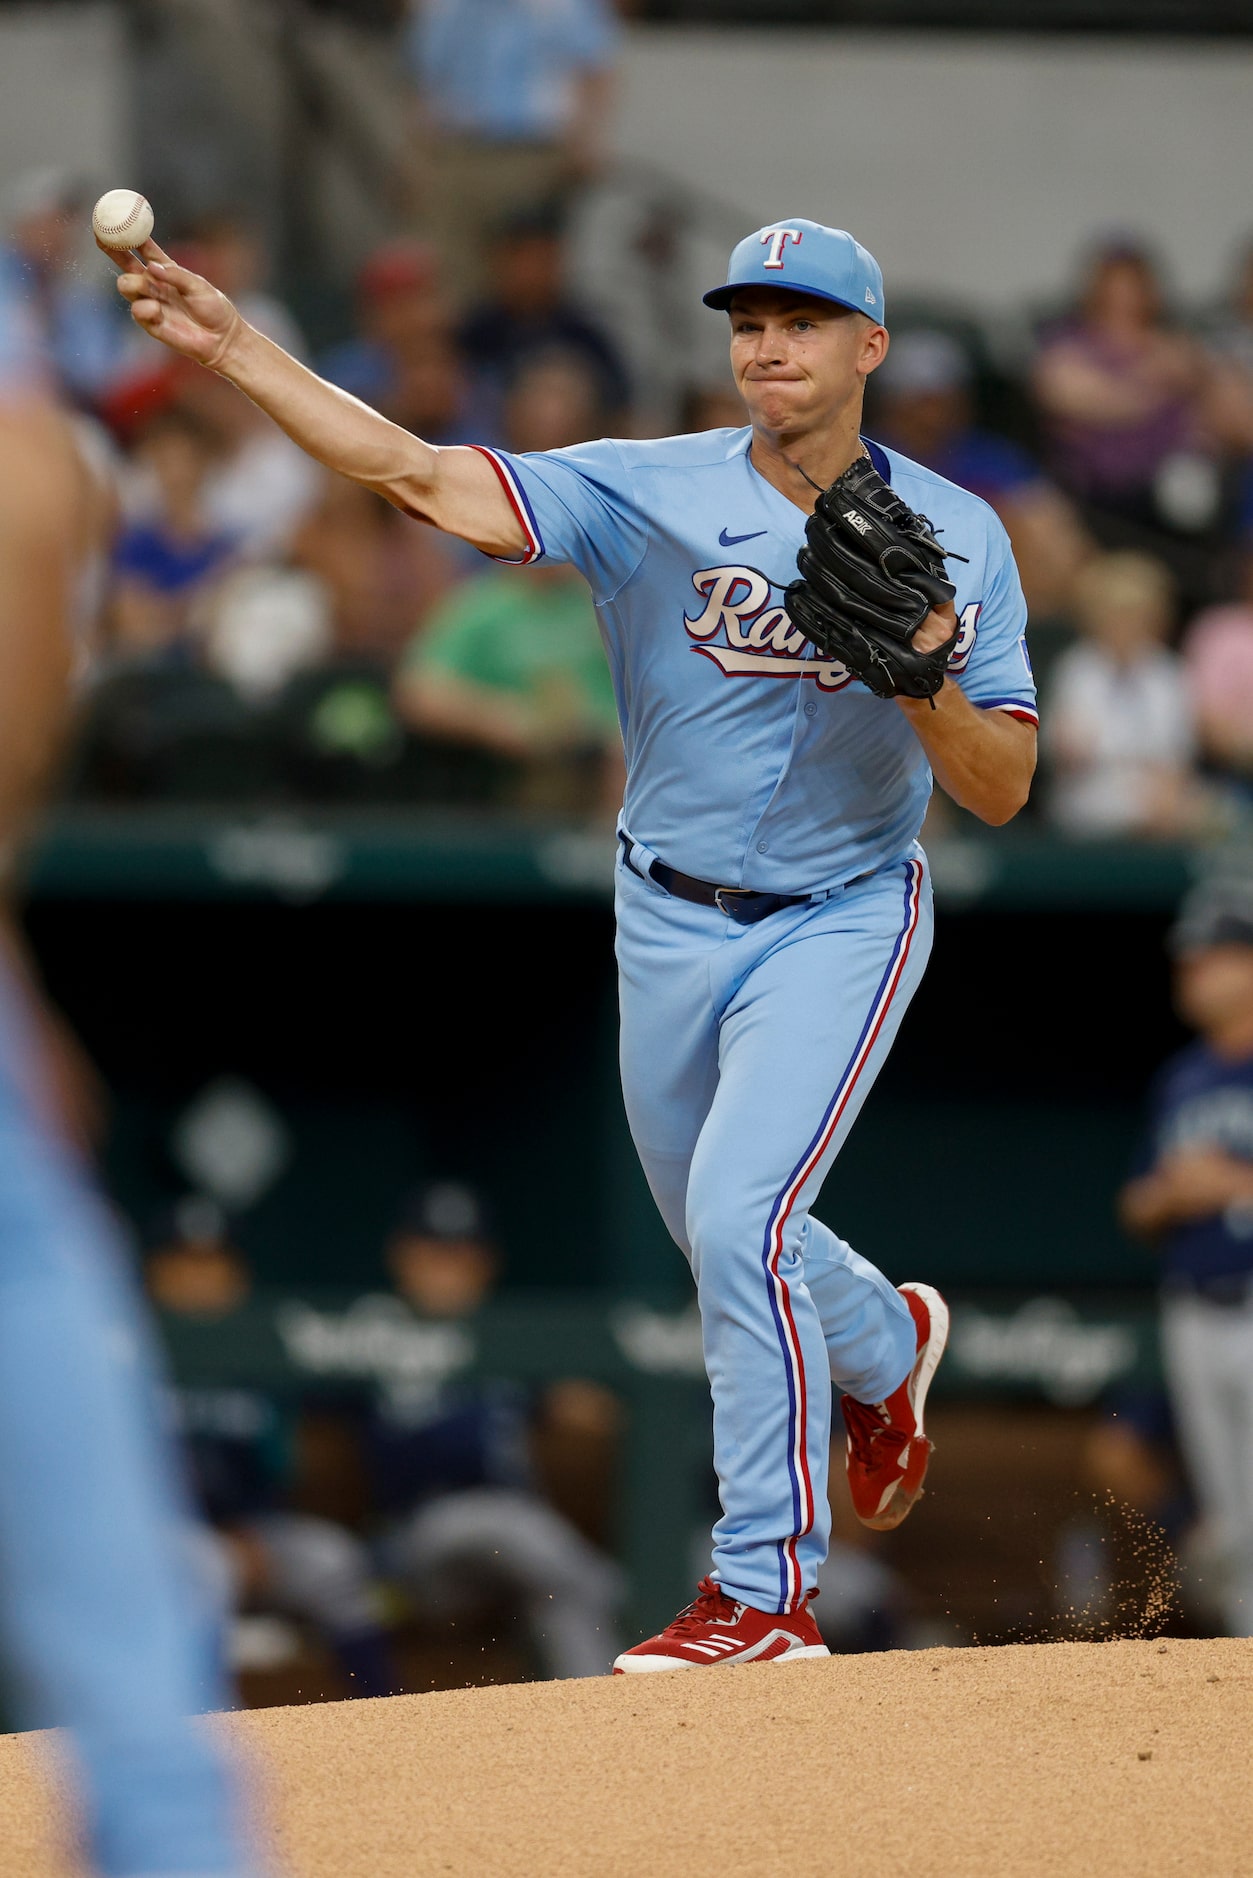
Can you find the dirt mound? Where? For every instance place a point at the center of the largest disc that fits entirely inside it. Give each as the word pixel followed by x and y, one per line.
pixel 1119 1759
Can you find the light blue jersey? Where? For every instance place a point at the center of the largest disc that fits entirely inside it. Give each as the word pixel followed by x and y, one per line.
pixel 751 761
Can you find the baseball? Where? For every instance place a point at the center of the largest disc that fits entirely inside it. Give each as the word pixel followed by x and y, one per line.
pixel 122 219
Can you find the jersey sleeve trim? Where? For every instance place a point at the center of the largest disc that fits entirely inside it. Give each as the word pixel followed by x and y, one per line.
pixel 521 507
pixel 1016 707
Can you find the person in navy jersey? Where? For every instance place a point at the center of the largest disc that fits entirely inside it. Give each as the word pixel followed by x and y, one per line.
pixel 237 1443
pixel 773 903
pixel 450 1461
pixel 1193 1199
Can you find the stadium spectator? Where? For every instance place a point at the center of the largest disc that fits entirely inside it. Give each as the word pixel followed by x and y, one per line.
pixel 1229 341
pixel 451 1466
pixel 926 405
pixel 166 563
pixel 404 358
pixel 234 1440
pixel 513 103
pixel 381 573
pixel 1127 406
pixel 227 249
pixel 512 662
pixel 1218 656
pixel 261 487
pixel 73 309
pixel 1117 725
pixel 1193 1200
pixel 527 312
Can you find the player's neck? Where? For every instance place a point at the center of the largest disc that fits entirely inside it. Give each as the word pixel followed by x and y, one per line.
pixel 1232 1041
pixel 800 464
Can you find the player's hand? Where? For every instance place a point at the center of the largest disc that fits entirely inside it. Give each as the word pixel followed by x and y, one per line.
pixel 939 625
pixel 182 310
pixel 1204 1181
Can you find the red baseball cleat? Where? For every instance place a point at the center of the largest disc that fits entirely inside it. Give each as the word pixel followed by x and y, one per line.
pixel 887 1449
pixel 715 1629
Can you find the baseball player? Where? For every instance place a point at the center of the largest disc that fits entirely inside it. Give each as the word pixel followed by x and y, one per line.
pixel 101 1630
pixel 1194 1199
pixel 774 912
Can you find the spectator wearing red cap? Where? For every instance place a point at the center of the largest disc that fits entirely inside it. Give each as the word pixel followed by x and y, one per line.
pixel 404 359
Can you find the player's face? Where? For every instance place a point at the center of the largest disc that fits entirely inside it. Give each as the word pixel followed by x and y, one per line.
pixel 800 363
pixel 1214 986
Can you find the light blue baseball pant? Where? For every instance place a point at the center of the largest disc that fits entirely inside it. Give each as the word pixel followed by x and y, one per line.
pixel 747 1052
pixel 102 1628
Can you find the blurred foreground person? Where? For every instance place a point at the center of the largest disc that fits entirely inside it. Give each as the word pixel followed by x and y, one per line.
pixel 235 1440
pixel 1195 1201
pixel 1119 732
pixel 451 1467
pixel 101 1630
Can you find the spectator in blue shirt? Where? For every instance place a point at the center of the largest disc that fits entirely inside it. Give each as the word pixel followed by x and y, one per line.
pixel 925 388
pixel 167 563
pixel 514 99
pixel 74 311
pixel 1194 1200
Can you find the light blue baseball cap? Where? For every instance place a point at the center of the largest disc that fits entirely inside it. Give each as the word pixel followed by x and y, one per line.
pixel 807 258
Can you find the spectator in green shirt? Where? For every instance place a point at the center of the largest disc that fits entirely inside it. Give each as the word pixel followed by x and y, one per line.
pixel 511 661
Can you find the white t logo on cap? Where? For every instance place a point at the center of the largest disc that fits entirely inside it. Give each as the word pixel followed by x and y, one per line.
pixel 778 239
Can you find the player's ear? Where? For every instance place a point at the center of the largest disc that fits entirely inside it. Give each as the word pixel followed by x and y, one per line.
pixel 874 347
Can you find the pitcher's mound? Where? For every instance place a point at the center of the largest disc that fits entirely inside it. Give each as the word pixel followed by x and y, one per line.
pixel 1122 1759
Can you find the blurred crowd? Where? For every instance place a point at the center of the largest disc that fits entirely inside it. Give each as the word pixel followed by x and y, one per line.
pixel 414 1499
pixel 254 629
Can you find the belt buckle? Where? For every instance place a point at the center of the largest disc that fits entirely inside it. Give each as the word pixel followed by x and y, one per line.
pixel 736 892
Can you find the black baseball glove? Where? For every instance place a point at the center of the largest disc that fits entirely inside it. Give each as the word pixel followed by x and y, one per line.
pixel 871 571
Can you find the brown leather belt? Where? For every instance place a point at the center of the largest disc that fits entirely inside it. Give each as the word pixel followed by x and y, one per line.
pixel 741 904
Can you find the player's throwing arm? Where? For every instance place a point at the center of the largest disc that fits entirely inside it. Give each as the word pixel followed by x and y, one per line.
pixel 454 489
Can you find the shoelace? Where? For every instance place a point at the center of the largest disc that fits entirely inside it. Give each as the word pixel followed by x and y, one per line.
pixel 870 1436
pixel 711 1605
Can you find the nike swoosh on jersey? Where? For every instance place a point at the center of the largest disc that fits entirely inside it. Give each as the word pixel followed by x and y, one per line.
pixel 731 541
